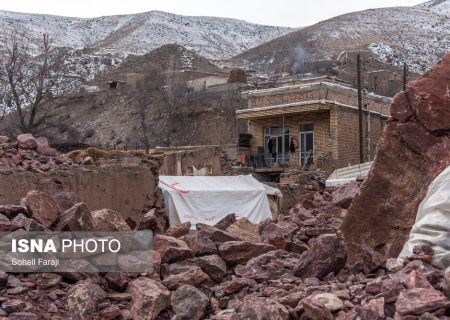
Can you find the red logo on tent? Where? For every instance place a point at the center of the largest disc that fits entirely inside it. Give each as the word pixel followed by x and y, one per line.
pixel 180 191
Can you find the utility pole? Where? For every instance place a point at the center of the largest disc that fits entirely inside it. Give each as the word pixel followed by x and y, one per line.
pixel 360 115
pixel 405 71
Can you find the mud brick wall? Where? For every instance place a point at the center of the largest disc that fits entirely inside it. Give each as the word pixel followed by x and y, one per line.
pixel 128 189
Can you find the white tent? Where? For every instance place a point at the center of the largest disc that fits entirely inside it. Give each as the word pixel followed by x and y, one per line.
pixel 208 199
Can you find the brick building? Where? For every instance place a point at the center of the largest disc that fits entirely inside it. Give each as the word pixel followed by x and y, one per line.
pixel 320 119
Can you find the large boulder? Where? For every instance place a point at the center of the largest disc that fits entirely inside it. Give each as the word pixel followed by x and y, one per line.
pixel 149 298
pixel 108 220
pixel 244 230
pixel 193 276
pixel 189 303
pixel 76 218
pixel 344 194
pixel 27 141
pixel 200 243
pixel 178 230
pixel 83 299
pixel 215 234
pixel 42 207
pixel 327 255
pixel 420 300
pixel 413 150
pixel 213 266
pixel 171 249
pixel 66 200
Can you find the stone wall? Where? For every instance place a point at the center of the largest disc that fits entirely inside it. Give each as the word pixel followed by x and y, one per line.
pixel 128 188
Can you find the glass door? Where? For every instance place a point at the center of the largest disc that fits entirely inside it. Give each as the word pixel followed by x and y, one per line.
pixel 276 151
pixel 306 139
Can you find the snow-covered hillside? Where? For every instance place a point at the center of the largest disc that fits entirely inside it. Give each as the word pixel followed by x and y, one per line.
pixel 418 35
pixel 439 6
pixel 214 38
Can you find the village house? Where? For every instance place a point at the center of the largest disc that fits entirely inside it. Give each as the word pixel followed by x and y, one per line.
pixel 309 124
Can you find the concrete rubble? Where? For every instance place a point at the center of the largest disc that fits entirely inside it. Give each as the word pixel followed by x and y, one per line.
pixel 289 268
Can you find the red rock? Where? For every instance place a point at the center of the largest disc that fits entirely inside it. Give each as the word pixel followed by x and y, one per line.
pixel 189 303
pixel 178 230
pixel 371 260
pixel 269 266
pixel 276 230
pixel 232 286
pixel 171 249
pixel 215 234
pixel 27 141
pixel 66 200
pixel 376 308
pixel 42 207
pixel 3 279
pixel 238 252
pixel 243 229
pixel 213 266
pixel 416 280
pixel 316 311
pixel 108 220
pixel 327 255
pixel 200 243
pixel 13 210
pixel 111 312
pixel 194 276
pixel 344 194
pixel 4 223
pixel 76 218
pixel 44 148
pixel 13 305
pixel 117 281
pixel 226 221
pixel 21 221
pixel 83 299
pixel 260 308
pixel 413 150
pixel 154 220
pixel 419 300
pixel 149 298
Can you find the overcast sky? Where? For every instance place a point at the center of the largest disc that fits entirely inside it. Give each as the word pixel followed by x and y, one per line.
pixel 292 13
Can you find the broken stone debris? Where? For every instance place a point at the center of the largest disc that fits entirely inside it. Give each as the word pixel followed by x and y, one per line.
pixel 30 154
pixel 211 273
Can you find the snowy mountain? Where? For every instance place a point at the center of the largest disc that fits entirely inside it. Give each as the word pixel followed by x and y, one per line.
pixel 418 35
pixel 438 6
pixel 214 38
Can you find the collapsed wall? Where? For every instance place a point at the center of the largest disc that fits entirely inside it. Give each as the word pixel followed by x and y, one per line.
pixel 414 149
pixel 127 185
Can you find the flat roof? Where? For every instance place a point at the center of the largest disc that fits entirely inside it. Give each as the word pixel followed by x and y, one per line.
pixel 297 108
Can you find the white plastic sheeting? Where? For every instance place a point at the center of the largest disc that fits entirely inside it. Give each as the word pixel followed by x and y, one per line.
pixel 432 224
pixel 209 199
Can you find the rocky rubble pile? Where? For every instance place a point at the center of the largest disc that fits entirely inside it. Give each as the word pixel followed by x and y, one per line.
pixel 290 268
pixel 31 154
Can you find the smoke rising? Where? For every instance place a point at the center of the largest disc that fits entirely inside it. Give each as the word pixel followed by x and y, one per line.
pixel 298 59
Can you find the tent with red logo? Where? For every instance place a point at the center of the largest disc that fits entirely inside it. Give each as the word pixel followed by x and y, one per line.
pixel 208 199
